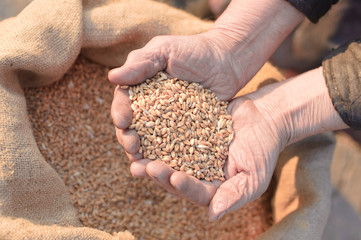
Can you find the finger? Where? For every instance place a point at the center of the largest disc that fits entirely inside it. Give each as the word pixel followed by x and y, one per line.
pixel 161 174
pixel 191 188
pixel 121 110
pixel 129 139
pixel 231 195
pixel 134 156
pixel 217 7
pixel 233 105
pixel 137 168
pixel 141 64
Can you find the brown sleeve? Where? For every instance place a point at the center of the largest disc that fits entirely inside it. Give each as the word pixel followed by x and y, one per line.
pixel 342 71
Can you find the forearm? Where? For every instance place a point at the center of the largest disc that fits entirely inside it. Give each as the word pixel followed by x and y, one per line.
pixel 300 106
pixel 252 30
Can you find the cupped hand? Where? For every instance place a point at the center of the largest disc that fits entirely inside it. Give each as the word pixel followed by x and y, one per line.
pixel 253 154
pixel 252 157
pixel 204 58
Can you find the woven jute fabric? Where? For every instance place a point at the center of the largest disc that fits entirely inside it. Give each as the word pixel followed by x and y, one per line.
pixel 37 47
pixel 77 138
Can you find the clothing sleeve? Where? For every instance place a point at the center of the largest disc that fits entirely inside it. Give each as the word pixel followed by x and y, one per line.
pixel 342 72
pixel 313 9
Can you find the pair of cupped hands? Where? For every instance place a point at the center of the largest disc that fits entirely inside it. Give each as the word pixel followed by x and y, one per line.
pixel 258 138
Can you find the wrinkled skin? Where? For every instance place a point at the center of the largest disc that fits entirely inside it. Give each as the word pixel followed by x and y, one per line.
pixel 252 158
pixel 200 58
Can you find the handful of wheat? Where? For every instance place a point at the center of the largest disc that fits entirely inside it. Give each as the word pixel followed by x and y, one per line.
pixel 183 125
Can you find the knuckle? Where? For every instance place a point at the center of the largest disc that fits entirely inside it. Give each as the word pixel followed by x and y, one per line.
pixel 133 145
pixel 119 120
pixel 119 136
pixel 157 40
pixel 134 54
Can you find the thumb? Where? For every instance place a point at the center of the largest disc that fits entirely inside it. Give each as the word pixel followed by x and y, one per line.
pixel 141 64
pixel 231 195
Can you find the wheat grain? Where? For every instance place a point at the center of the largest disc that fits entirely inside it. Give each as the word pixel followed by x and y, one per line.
pixel 182 124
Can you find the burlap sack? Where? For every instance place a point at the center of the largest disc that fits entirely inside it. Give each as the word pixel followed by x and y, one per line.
pixel 39 45
pixel 302 201
pixel 346 169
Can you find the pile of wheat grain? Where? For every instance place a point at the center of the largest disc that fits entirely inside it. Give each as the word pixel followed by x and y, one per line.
pixel 182 124
pixel 74 131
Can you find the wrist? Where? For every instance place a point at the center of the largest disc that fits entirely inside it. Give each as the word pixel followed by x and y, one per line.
pixel 252 30
pixel 300 106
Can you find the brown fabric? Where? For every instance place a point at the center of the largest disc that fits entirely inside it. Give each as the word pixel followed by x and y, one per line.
pixel 267 75
pixel 341 69
pixel 346 169
pixel 36 48
pixel 302 201
pixel 141 20
pixel 20 228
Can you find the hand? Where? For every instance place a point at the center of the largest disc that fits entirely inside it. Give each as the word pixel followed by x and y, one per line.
pixel 253 154
pixel 223 59
pixel 252 157
pixel 202 58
